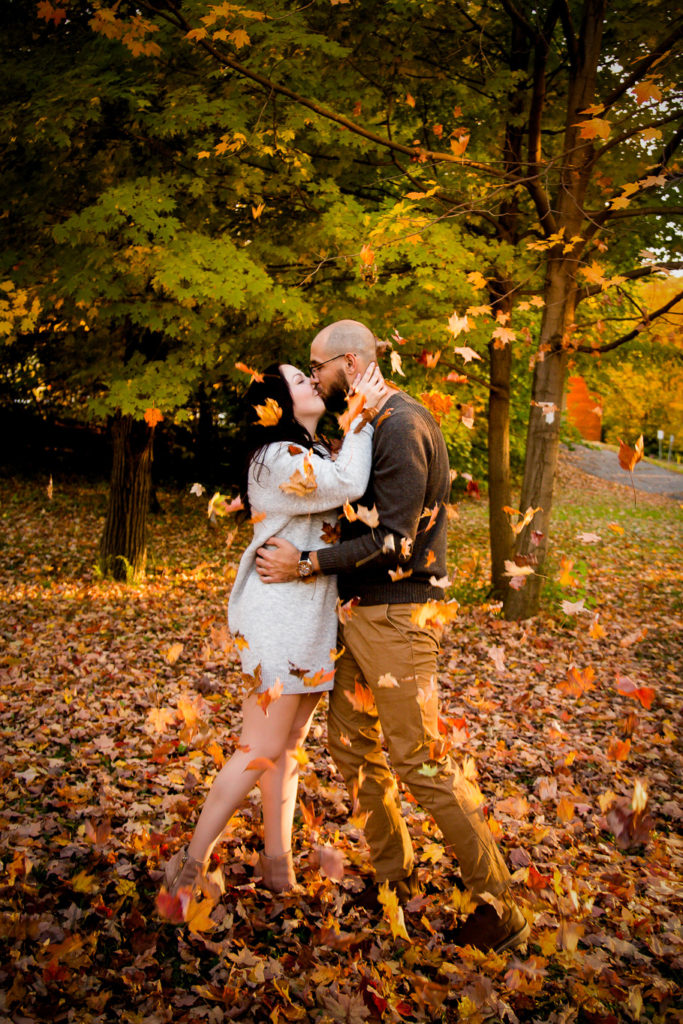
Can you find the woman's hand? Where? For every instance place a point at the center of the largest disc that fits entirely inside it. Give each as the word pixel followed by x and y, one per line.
pixel 372 386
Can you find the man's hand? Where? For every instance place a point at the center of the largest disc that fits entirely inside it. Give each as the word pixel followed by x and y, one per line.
pixel 277 561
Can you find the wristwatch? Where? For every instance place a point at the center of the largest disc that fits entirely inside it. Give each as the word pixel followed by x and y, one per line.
pixel 305 566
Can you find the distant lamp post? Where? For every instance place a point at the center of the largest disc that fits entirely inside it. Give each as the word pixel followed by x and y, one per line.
pixel 660 438
pixel 671 447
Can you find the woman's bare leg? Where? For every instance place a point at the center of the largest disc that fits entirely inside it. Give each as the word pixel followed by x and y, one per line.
pixel 262 736
pixel 279 784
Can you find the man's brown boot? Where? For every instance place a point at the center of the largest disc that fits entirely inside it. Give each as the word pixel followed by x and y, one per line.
pixel 485 930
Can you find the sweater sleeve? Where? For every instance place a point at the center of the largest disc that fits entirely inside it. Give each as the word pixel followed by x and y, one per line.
pixel 297 482
pixel 400 469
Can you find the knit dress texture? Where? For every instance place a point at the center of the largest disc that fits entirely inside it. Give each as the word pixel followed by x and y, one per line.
pixel 291 628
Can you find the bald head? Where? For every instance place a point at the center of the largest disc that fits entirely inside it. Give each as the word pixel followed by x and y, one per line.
pixel 346 336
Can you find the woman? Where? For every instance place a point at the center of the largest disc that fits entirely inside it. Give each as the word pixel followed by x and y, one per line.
pixel 289 482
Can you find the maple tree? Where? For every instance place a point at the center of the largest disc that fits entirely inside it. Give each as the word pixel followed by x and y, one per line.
pixel 119 706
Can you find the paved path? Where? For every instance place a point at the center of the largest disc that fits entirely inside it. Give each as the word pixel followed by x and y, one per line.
pixel 604 463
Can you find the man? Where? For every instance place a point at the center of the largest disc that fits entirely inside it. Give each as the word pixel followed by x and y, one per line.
pixel 393 570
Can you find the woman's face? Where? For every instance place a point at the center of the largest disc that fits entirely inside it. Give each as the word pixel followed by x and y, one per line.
pixel 306 401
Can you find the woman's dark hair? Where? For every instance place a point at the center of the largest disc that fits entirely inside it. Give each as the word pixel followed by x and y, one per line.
pixel 258 437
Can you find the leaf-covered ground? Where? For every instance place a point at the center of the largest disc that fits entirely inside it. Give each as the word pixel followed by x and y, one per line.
pixel 119 703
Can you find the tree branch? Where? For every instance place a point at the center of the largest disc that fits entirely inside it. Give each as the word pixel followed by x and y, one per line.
pixel 569 33
pixel 642 67
pixel 630 275
pixel 518 16
pixel 638 329
pixel 416 152
pixel 642 211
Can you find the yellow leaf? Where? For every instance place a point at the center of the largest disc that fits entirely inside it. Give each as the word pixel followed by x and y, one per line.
pixel 595 128
pixel 256 211
pixel 392 911
pixel 477 279
pixel 198 916
pixel 459 143
pixel 647 90
pixel 204 154
pixel 434 613
pixel 239 38
pixel 268 415
pixel 410 100
pixel 565 809
pixel 173 652
pixel 83 882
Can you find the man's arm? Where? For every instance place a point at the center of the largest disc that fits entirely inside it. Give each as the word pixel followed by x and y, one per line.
pixel 278 561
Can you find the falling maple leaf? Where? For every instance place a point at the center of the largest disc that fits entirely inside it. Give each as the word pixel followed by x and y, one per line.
pixel 468 354
pixel 387 681
pixel 369 516
pixel 267 697
pixel 596 128
pixel 647 90
pixel 152 417
pixel 301 484
pixel 643 694
pixel 434 614
pixel 393 911
pixel 458 324
pixel 269 414
pixel 345 610
pixel 259 764
pixel 361 699
pixel 354 407
pixel 331 534
pixel 630 457
pixel 254 374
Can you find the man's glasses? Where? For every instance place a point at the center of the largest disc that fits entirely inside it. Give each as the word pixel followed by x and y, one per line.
pixel 314 367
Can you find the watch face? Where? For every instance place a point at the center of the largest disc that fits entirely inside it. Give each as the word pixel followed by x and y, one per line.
pixel 306 568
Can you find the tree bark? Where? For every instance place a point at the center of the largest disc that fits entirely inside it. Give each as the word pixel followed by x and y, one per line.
pixel 123 547
pixel 543 438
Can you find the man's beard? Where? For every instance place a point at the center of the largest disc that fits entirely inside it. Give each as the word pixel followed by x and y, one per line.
pixel 335 393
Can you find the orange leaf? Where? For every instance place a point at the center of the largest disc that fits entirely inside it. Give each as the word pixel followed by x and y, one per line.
pixel 265 699
pixel 630 457
pixel 345 611
pixel 597 127
pixel 254 374
pixel 644 694
pixel 434 613
pixel 152 417
pixel 355 403
pixel 618 750
pixel 565 809
pixel 309 815
pixel 361 699
pixel 259 764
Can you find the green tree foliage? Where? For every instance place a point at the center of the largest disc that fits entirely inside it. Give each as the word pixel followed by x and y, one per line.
pixel 461 176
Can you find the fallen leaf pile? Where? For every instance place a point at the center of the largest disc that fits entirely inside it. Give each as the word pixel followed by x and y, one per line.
pixel 120 703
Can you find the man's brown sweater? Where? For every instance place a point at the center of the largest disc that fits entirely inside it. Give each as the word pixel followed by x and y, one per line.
pixel 409 486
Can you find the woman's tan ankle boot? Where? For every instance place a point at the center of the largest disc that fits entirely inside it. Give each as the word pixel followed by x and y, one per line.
pixel 184 872
pixel 277 872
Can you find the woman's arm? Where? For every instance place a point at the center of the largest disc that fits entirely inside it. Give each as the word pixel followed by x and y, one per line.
pixel 297 481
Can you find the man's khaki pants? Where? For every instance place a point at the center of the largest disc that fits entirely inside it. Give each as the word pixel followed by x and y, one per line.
pixel 383 647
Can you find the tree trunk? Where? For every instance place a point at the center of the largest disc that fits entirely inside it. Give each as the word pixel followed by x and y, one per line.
pixel 543 438
pixel 123 548
pixel 500 534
